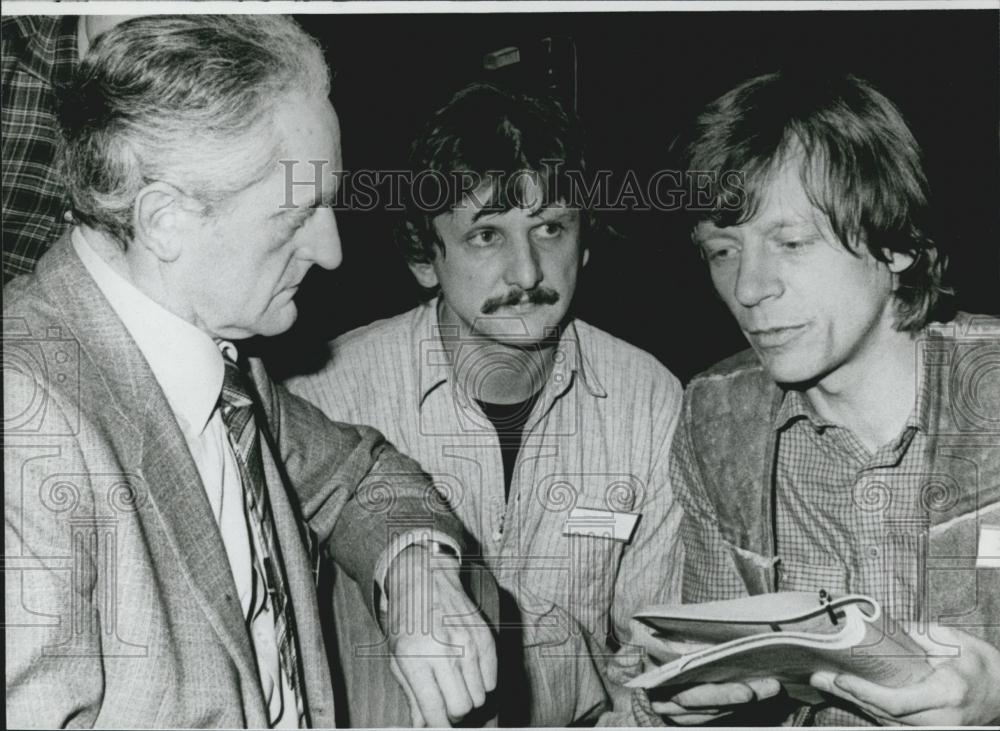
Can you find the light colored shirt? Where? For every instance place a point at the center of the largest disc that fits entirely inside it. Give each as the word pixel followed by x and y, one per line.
pixel 597 440
pixel 188 365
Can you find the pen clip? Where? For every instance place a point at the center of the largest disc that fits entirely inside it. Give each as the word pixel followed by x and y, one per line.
pixel 825 601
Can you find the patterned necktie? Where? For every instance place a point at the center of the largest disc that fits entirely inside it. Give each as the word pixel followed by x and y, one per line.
pixel 238 415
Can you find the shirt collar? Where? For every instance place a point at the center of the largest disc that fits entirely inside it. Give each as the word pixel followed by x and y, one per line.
pixel 571 359
pixel 185 361
pixel 794 405
pixel 435 366
pixel 921 417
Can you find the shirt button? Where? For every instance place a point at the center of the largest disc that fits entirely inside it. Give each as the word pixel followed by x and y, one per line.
pixel 871 552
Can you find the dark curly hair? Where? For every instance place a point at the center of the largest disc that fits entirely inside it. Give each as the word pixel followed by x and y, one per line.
pixel 488 136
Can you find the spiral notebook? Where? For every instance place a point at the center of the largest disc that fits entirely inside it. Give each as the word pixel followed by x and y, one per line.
pixel 783 635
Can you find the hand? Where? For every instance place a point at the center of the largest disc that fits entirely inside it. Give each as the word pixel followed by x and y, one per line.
pixel 960 691
pixel 443 654
pixel 704 703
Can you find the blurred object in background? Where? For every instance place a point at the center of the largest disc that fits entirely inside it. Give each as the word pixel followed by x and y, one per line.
pixel 546 67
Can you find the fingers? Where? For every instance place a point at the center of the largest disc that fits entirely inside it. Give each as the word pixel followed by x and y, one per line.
pixel 764 688
pixel 478 660
pixel 449 665
pixel 439 689
pixel 884 701
pixel 937 639
pixel 823 680
pixel 443 689
pixel 941 644
pixel 896 701
pixel 715 695
pixel 430 699
pixel 681 717
pixel 704 703
pixel 473 676
pixel 486 657
pixel 416 717
pixel 451 682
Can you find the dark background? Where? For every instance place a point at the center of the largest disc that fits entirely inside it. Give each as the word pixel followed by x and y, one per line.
pixel 636 79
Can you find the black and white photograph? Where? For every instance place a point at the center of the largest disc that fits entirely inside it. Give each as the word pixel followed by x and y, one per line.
pixel 524 364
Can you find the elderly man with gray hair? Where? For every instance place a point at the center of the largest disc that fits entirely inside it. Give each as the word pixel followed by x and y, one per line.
pixel 163 499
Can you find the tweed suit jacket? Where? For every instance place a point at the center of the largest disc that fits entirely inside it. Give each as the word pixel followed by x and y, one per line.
pixel 121 609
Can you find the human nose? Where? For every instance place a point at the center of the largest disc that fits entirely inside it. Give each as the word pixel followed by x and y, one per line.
pixel 324 245
pixel 523 269
pixel 757 278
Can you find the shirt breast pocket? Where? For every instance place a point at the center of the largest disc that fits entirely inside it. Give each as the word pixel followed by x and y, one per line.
pixel 592 544
pixel 795 575
pixel 585 522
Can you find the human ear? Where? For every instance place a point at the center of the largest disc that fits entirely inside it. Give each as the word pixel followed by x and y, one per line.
pixel 425 274
pixel 161 217
pixel 898 262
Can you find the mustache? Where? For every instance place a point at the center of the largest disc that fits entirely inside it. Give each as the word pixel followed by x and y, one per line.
pixel 536 296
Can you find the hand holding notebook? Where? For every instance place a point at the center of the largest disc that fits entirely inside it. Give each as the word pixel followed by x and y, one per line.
pixel 786 636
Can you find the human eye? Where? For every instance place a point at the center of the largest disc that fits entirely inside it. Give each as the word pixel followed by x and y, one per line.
pixel 483 238
pixel 795 244
pixel 720 253
pixel 549 230
pixel 296 218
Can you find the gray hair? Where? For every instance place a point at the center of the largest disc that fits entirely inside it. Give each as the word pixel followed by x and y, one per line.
pixel 179 99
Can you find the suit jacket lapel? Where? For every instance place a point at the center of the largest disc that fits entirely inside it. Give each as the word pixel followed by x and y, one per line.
pixel 143 417
pixel 301 583
pixel 298 563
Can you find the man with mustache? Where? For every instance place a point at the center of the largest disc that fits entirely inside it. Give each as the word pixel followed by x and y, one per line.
pixel 164 501
pixel 547 436
pixel 854 448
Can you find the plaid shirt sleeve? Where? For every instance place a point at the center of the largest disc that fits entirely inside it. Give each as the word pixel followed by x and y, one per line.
pixel 39 54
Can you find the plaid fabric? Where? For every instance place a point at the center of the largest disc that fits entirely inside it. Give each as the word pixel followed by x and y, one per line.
pixel 268 573
pixel 848 520
pixel 39 54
